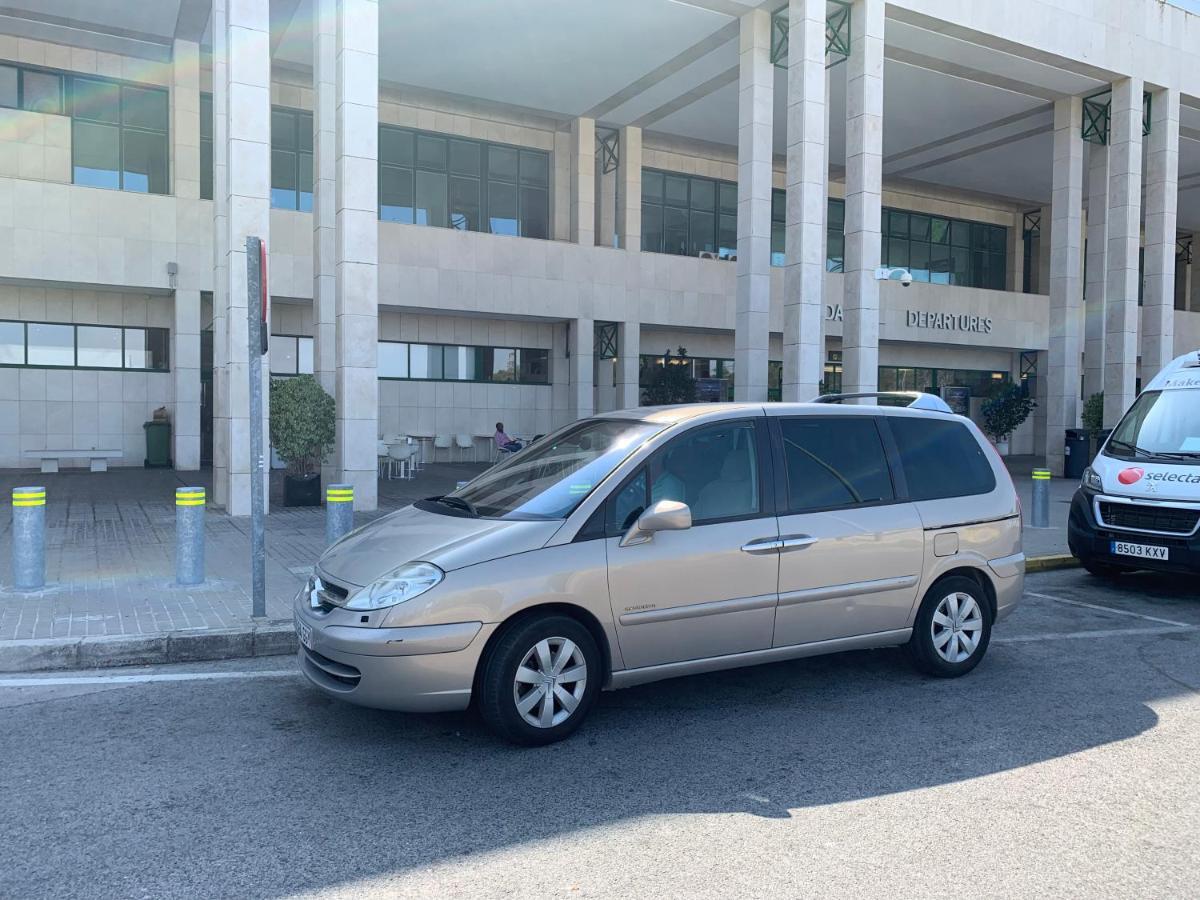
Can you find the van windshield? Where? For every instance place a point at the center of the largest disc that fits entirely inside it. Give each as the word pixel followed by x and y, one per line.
pixel 1160 425
pixel 548 479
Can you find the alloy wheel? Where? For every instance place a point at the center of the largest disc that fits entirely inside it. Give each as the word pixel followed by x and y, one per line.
pixel 550 682
pixel 957 626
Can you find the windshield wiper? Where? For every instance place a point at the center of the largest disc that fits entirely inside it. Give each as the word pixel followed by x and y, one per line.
pixel 1160 454
pixel 456 503
pixel 1134 448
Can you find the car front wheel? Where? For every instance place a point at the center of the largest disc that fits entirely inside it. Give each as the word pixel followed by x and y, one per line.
pixel 952 629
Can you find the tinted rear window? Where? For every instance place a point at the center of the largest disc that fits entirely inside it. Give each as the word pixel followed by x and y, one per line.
pixel 834 462
pixel 941 459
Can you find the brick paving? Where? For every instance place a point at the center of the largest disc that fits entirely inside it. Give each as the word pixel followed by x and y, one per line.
pixel 110 553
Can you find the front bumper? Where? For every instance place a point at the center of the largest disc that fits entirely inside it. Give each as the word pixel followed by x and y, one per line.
pixel 1091 542
pixel 428 668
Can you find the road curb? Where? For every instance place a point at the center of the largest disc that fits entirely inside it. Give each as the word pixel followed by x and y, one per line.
pixel 1050 563
pixel 271 638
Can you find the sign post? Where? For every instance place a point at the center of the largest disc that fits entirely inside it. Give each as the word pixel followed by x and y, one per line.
pixel 256 313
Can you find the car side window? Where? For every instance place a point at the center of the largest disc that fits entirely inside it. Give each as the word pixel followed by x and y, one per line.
pixel 714 470
pixel 627 504
pixel 834 461
pixel 941 459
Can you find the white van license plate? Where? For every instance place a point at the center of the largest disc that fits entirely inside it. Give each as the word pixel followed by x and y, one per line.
pixel 1142 551
pixel 304 633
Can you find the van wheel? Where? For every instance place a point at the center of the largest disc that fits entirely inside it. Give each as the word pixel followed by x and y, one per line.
pixel 540 680
pixel 953 628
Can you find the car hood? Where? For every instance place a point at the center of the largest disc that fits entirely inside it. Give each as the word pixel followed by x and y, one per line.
pixel 412 534
pixel 1148 480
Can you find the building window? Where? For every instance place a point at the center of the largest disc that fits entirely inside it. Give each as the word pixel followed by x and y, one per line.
pixel 33 90
pixel 291 159
pixel 119 135
pixel 457 362
pixel 206 146
pixel 291 354
pixel 449 182
pixel 939 250
pixel 714 376
pixel 687 215
pixel 980 382
pixel 53 345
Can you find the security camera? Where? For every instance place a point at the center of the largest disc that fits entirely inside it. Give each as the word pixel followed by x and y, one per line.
pixel 906 279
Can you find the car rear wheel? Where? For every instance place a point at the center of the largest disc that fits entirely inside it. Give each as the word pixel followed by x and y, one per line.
pixel 953 628
pixel 540 680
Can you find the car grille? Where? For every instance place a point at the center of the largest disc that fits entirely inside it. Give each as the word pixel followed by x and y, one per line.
pixel 1136 517
pixel 334 675
pixel 329 596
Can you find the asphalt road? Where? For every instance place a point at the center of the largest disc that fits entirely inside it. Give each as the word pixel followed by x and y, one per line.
pixel 1066 765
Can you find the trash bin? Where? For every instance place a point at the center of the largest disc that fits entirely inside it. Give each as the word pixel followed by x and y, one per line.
pixel 1077 450
pixel 158 444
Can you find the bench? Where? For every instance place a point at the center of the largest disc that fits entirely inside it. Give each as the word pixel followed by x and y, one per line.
pixel 51 458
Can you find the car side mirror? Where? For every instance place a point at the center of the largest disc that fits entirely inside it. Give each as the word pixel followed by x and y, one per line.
pixel 665 515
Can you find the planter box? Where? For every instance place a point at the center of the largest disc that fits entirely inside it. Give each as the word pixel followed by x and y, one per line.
pixel 302 490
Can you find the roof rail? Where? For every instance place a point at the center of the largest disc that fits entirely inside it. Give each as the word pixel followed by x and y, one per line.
pixel 917 399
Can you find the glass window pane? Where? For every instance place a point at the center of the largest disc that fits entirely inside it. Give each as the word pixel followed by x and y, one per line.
pixel 144 162
pixel 502 366
pixel 918 260
pixel 704 194
pixel 939 231
pixel 99 101
pixel 675 189
pixel 395 146
pixel 283 130
pixel 206 169
pixel 836 213
pixel 778 243
pixel 652 186
pixel 464 203
pixel 535 212
pixel 97 153
pixel 393 360
pixel 283 179
pixel 142 108
pixel 304 355
pixel 136 348
pixel 702 233
pixel 99 347
pixel 979 236
pixel 652 224
pixel 431 199
pixel 396 194
pixel 206 115
pixel 897 253
pixel 535 168
pixel 960 233
pixel 834 463
pixel 535 366
pixel 727 236
pixel 425 360
pixel 12 343
pixel 459 363
pixel 464 157
pixel 42 92
pixel 675 231
pixel 304 131
pixel 304 164
pixel 502 163
pixel 960 266
pixel 502 207
pixel 283 355
pixel 999 239
pixel 835 256
pixel 918 227
pixel 431 152
pixel 941 459
pixel 713 470
pixel 898 226
pixel 8 86
pixel 51 345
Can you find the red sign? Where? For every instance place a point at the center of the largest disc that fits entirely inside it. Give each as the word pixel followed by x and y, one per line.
pixel 1131 476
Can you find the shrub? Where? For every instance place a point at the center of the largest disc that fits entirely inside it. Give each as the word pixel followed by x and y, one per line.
pixel 1005 411
pixel 302 423
pixel 672 382
pixel 1093 412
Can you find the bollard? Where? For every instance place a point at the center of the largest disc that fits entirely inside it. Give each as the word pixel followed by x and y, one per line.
pixel 29 538
pixel 339 511
pixel 189 535
pixel 1041 498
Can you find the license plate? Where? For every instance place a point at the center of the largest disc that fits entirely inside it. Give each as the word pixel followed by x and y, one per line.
pixel 304 633
pixel 1142 551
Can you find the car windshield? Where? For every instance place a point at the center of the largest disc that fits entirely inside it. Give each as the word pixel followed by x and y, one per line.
pixel 1160 424
pixel 551 477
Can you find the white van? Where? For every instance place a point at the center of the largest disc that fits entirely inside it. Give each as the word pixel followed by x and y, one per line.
pixel 1138 506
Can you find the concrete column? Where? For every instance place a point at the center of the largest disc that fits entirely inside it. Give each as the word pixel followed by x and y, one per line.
pixel 581 346
pixel 629 349
pixel 1162 198
pixel 807 175
pixel 357 248
pixel 1124 227
pixel 756 88
pixel 864 188
pixel 629 189
pixel 1194 269
pixel 560 186
pixel 185 119
pixel 1066 280
pixel 583 181
pixel 1097 270
pixel 1015 249
pixel 220 298
pixel 1043 251
pixel 324 216
pixel 185 368
pixel 248 148
pixel 606 205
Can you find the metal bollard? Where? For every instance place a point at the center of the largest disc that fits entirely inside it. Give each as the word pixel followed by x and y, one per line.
pixel 189 535
pixel 339 511
pixel 29 538
pixel 1041 499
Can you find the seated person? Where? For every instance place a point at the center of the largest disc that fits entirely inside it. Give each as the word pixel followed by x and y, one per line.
pixel 504 443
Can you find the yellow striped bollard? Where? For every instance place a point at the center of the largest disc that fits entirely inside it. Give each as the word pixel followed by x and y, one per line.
pixel 1041 499
pixel 189 535
pixel 29 538
pixel 339 511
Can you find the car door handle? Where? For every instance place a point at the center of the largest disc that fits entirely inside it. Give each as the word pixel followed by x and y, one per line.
pixel 789 542
pixel 759 546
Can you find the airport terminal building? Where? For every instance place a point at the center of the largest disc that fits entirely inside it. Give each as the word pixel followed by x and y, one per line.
pixel 481 211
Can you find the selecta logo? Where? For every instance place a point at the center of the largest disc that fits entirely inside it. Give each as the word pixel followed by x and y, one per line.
pixel 1131 476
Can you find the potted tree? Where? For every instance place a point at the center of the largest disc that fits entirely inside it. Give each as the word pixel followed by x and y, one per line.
pixel 1004 412
pixel 302 433
pixel 672 382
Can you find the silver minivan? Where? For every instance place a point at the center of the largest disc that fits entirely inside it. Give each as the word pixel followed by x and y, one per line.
pixel 650 543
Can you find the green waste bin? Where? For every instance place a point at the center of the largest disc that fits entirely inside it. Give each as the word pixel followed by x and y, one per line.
pixel 1078 445
pixel 158 444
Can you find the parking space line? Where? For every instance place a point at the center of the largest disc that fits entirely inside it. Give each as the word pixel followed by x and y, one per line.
pixel 1109 609
pixel 1099 633
pixel 68 680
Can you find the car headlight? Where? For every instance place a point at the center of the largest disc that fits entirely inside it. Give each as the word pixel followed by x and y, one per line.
pixel 397 586
pixel 1091 480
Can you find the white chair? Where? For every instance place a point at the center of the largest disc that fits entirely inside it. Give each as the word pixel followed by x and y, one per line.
pixel 465 442
pixel 442 442
pixel 401 455
pixel 385 459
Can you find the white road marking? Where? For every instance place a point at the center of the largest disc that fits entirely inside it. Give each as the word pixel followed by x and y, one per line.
pixel 1108 609
pixel 1082 635
pixel 68 680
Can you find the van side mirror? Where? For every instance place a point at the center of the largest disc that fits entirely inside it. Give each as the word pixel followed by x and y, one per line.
pixel 665 515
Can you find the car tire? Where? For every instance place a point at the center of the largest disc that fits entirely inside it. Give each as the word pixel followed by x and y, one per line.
pixel 1101 570
pixel 953 628
pixel 515 705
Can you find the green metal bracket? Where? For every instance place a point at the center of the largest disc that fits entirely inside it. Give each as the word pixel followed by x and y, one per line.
pixel 608 148
pixel 1032 223
pixel 1147 108
pixel 606 340
pixel 1097 115
pixel 837 34
pixel 1184 250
